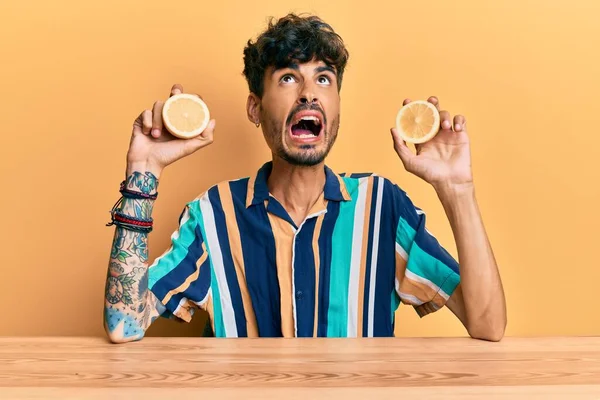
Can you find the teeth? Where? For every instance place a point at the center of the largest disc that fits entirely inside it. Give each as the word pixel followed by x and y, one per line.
pixel 305 136
pixel 311 118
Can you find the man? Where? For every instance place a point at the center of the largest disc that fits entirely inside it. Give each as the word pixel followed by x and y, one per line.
pixel 297 250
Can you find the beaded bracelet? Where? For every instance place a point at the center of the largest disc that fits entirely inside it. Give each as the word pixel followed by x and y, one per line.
pixel 130 227
pixel 129 222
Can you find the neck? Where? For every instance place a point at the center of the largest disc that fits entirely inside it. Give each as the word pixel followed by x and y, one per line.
pixel 297 188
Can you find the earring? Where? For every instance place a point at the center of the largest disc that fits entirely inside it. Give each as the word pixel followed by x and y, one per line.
pixel 257 124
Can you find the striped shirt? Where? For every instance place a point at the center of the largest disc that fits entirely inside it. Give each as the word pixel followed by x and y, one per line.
pixel 362 249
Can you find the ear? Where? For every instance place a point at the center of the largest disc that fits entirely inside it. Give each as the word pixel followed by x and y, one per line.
pixel 253 108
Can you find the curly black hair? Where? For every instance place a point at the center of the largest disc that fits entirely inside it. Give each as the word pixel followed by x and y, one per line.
pixel 293 39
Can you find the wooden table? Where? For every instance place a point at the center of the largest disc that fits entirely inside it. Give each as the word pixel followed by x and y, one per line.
pixel 289 369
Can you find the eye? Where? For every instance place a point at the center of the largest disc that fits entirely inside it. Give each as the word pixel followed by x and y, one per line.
pixel 288 79
pixel 324 80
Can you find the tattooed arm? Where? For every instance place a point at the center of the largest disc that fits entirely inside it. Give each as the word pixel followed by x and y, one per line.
pixel 129 306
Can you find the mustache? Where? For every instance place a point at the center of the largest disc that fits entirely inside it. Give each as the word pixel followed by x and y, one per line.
pixel 306 107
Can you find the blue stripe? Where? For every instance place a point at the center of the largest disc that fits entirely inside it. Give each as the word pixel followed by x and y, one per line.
pixel 304 279
pixel 179 273
pixel 365 327
pixel 386 264
pixel 258 247
pixel 198 289
pixel 360 175
pixel 325 253
pixel 229 267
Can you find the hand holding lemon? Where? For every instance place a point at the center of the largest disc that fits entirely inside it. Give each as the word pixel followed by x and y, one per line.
pixel 168 132
pixel 443 156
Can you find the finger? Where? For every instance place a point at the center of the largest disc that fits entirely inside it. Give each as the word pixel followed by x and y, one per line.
pixel 146 122
pixel 137 125
pixel 176 89
pixel 202 140
pixel 157 122
pixel 406 101
pixel 459 123
pixel 401 148
pixel 208 133
pixel 435 101
pixel 445 120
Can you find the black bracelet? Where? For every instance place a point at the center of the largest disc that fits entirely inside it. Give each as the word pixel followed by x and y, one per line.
pixel 132 227
pixel 130 194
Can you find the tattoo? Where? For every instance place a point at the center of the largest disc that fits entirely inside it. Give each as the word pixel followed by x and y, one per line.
pixel 139 245
pixel 124 322
pixel 146 183
pixel 129 307
pixel 118 243
pixel 119 285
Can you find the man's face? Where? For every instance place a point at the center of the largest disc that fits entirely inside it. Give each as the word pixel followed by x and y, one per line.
pixel 300 112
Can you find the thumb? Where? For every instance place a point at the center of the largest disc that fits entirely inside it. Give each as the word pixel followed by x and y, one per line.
pixel 405 154
pixel 203 139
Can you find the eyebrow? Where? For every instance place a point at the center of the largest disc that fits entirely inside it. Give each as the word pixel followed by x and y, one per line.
pixel 296 67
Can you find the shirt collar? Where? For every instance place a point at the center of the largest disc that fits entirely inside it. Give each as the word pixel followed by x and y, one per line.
pixel 258 191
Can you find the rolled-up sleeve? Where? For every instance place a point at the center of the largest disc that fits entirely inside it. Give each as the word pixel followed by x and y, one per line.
pixel 426 274
pixel 180 278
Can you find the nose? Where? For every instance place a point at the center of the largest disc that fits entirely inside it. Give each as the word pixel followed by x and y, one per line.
pixel 307 94
pixel 307 99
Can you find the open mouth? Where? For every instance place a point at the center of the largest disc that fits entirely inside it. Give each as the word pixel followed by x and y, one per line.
pixel 307 127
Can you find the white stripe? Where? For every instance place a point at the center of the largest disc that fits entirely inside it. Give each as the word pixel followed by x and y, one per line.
pixel 357 242
pixel 182 302
pixel 203 301
pixel 374 255
pixel 402 252
pixel 421 212
pixel 216 257
pixel 296 232
pixel 412 276
pixel 410 299
pixel 185 300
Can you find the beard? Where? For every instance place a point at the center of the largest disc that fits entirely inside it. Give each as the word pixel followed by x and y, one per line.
pixel 307 155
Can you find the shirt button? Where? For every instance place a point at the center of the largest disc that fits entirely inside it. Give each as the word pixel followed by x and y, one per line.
pixel 299 294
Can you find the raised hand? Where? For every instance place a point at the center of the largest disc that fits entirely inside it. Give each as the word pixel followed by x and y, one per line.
pixel 152 147
pixel 446 159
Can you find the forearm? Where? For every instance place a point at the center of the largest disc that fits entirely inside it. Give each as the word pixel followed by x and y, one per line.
pixel 129 306
pixel 484 302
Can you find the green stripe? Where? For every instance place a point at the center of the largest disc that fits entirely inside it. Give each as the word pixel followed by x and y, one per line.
pixel 405 235
pixel 173 258
pixel 428 267
pixel 214 286
pixel 337 314
pixel 422 263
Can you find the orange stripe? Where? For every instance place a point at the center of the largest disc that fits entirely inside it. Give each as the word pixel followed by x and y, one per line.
pixel 400 267
pixel 320 205
pixel 250 193
pixel 283 233
pixel 315 246
pixel 363 261
pixel 235 243
pixel 343 188
pixel 409 286
pixel 189 279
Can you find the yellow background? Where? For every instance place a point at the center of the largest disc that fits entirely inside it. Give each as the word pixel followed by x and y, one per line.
pixel 75 74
